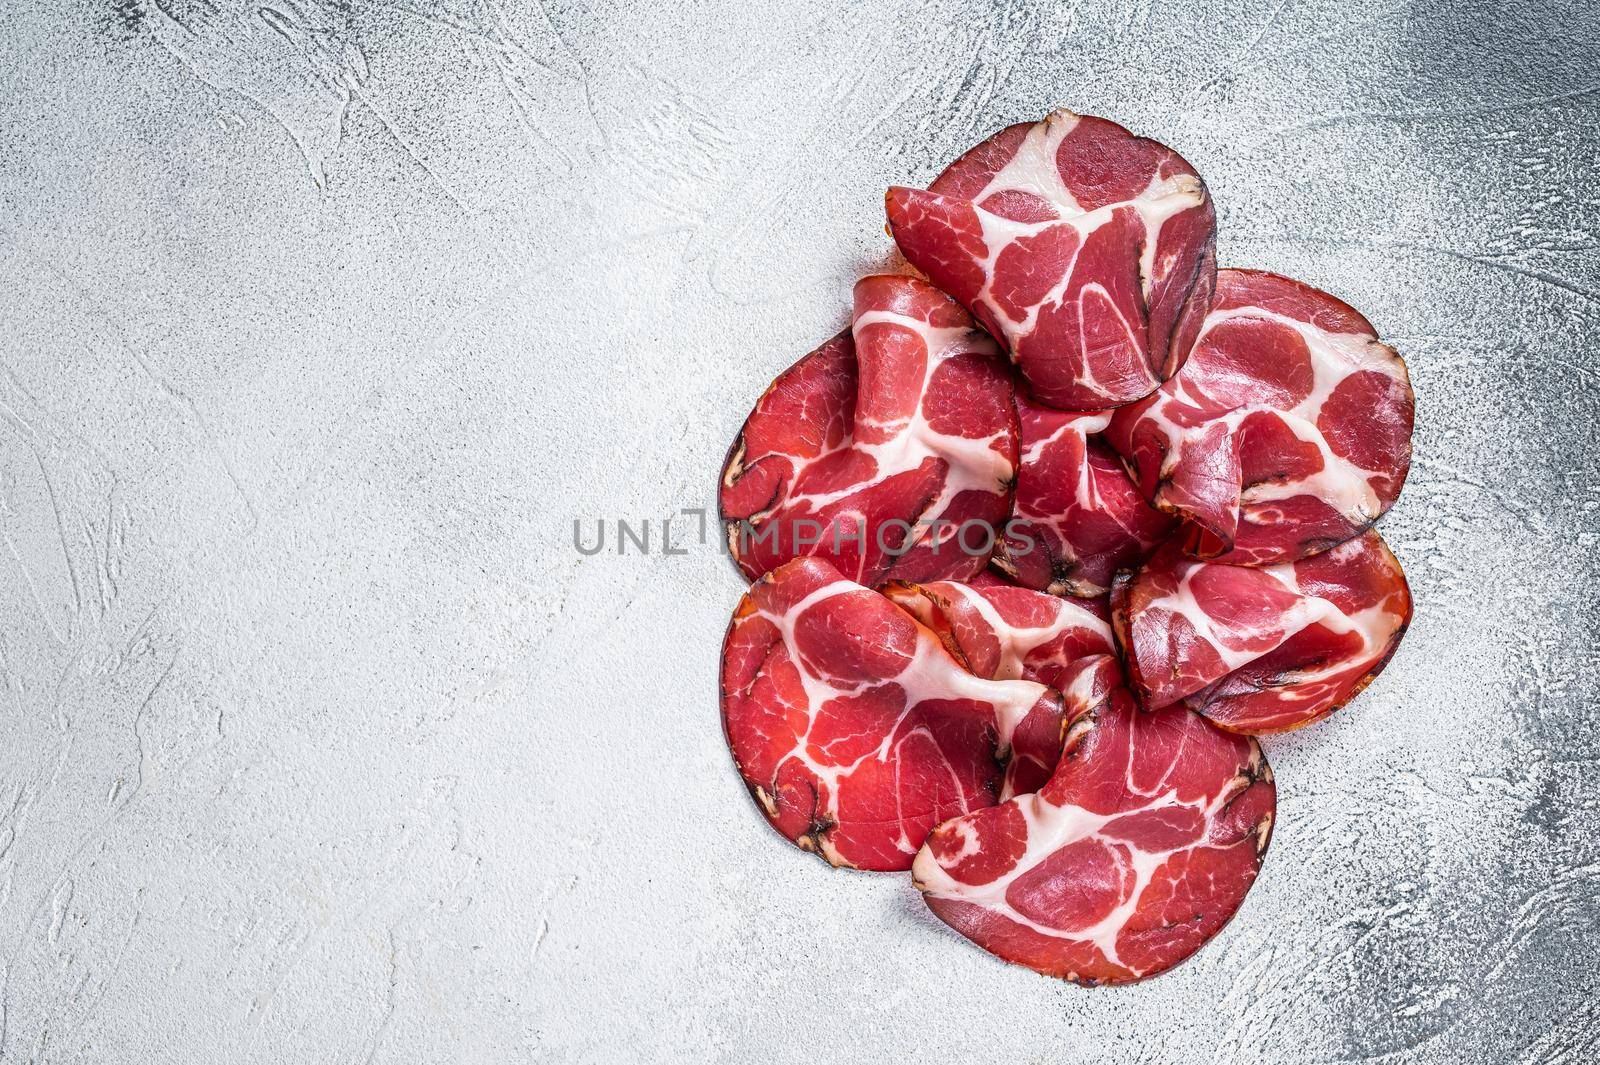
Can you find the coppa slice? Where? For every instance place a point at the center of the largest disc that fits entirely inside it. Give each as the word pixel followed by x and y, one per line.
pixel 1004 632
pixel 1088 252
pixel 855 729
pixel 1078 517
pixel 1287 431
pixel 1261 649
pixel 1139 849
pixel 889 452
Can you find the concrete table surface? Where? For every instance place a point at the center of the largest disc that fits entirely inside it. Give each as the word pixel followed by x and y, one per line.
pixel 324 320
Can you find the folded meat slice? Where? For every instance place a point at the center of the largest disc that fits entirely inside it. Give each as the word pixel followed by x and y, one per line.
pixel 1261 649
pixel 1078 516
pixel 889 452
pixel 1287 431
pixel 1139 849
pixel 855 729
pixel 1088 252
pixel 1003 632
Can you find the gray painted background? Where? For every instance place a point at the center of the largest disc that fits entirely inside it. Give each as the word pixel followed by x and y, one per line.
pixel 322 321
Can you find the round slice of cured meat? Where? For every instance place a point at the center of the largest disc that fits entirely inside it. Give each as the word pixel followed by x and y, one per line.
pixel 1287 431
pixel 1137 852
pixel 855 729
pixel 1088 252
pixel 1261 649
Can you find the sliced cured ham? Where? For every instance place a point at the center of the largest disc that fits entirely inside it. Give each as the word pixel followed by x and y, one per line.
pixel 1088 252
pixel 1078 516
pixel 1139 849
pixel 1003 632
pixel 1261 649
pixel 889 451
pixel 1287 431
pixel 854 728
pixel 1014 628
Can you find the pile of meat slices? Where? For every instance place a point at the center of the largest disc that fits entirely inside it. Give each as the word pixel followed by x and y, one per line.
pixel 1045 539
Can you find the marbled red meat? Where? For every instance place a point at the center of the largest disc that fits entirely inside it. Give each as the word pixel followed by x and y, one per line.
pixel 1088 252
pixel 1261 649
pixel 855 729
pixel 1078 517
pixel 1287 431
pixel 1003 632
pixel 1139 849
pixel 1199 456
pixel 889 452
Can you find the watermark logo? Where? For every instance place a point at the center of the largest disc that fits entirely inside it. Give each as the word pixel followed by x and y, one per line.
pixel 691 528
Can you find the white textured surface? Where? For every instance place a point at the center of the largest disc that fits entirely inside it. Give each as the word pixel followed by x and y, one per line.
pixel 322 321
